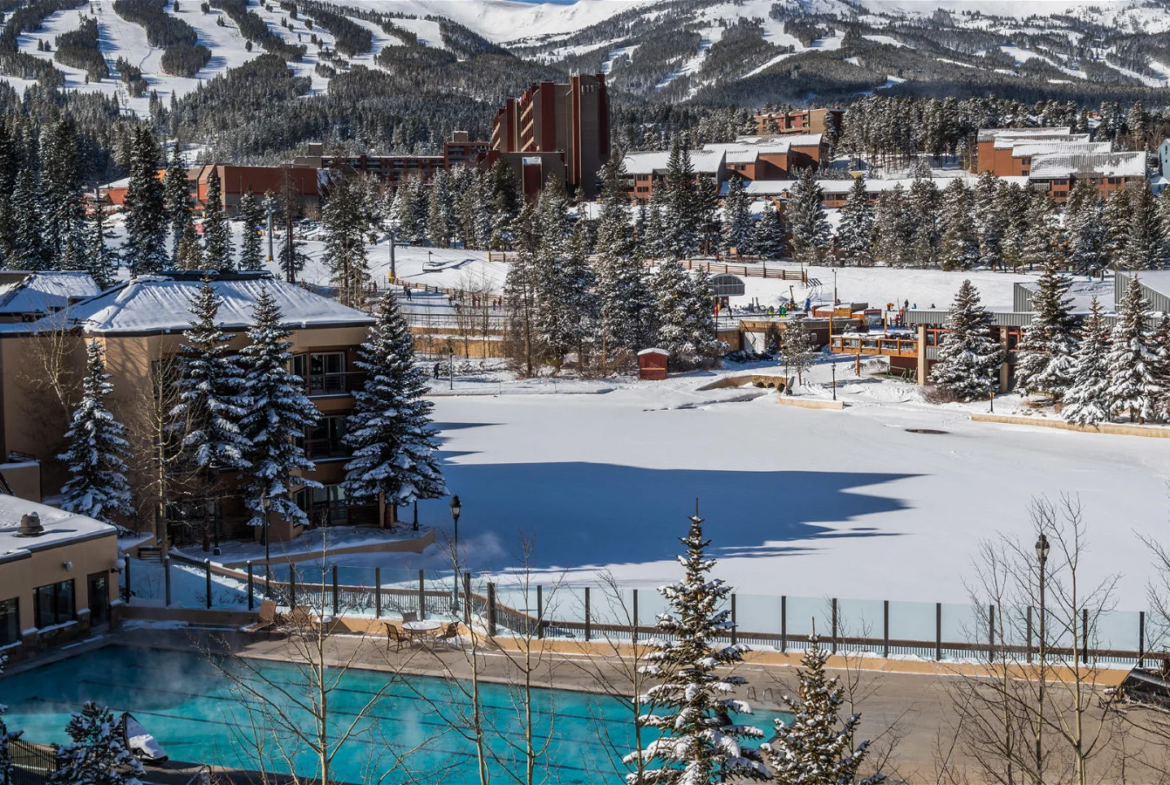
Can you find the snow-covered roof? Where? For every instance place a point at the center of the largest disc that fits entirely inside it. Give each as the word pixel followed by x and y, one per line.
pixel 842 186
pixel 43 292
pixel 1020 149
pixel 1008 141
pixel 161 303
pixel 1081 293
pixel 702 161
pixel 60 528
pixel 1062 165
pixel 991 134
pixel 1158 280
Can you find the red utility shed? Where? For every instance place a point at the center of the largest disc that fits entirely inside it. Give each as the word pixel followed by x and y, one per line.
pixel 652 364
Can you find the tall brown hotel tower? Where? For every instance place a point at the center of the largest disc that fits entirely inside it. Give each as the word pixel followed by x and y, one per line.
pixel 571 119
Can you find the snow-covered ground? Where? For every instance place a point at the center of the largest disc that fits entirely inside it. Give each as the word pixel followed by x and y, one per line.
pixel 847 504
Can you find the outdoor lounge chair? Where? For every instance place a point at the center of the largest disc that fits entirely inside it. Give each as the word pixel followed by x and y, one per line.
pixel 265 620
pixel 450 635
pixel 409 616
pixel 394 635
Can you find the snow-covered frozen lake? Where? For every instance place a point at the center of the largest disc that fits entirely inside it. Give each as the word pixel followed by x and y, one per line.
pixel 813 503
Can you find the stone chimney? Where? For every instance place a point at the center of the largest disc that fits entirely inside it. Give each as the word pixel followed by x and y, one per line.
pixel 30 526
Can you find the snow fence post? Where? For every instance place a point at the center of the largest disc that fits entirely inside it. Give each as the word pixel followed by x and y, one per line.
pixel 1141 639
pixel 491 610
pixel 783 623
pixel 377 592
pixel 422 601
pixel 734 628
pixel 251 584
pixel 886 629
pixel 586 614
pixel 540 612
pixel 334 589
pixel 938 631
pixel 167 578
pixel 834 647
pixel 207 576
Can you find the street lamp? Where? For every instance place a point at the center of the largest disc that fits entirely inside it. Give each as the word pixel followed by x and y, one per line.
pixel 456 508
pixel 1042 549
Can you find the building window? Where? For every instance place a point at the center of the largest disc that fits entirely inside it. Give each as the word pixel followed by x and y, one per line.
pixel 326 438
pixel 53 604
pixel 324 373
pixel 9 622
pixel 325 506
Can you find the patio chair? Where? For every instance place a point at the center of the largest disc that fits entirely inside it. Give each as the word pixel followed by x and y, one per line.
pixel 408 616
pixel 394 635
pixel 450 635
pixel 265 619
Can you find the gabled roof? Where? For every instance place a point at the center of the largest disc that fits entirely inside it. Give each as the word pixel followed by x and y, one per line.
pixel 702 161
pixel 991 134
pixel 1057 146
pixel 41 293
pixel 161 303
pixel 1061 165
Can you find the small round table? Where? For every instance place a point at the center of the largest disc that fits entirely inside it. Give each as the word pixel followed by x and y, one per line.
pixel 419 630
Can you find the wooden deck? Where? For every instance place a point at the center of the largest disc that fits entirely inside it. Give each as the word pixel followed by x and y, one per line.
pixel 873 345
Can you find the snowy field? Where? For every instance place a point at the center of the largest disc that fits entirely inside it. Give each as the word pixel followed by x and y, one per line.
pixel 812 503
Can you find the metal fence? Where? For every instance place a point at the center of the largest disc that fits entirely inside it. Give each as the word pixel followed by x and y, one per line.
pixel 929 631
pixel 32 764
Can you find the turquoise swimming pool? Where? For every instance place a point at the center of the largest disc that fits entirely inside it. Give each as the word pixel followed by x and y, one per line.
pixel 187 705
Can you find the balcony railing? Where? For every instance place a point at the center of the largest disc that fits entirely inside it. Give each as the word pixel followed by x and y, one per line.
pixel 334 383
pixel 316 449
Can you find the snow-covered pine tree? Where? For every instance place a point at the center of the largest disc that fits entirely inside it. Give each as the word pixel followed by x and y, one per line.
pixel 211 401
pixel 29 251
pixel 893 232
pixel 438 211
pixel 1085 228
pixel 625 302
pixel 853 241
pixel 145 248
pixel 1087 400
pixel 810 748
pixel 990 219
pixel 98 754
pixel 277 407
pixel 1042 240
pixel 189 254
pixel 291 257
pixel 100 259
pixel 1143 247
pixel 737 220
pixel 390 431
pixel 1160 367
pixel 97 451
pixel 345 221
pixel 217 233
pixel 960 242
pixel 700 743
pixel 923 204
pixel 1016 202
pixel 176 200
pixel 64 212
pixel 252 215
pixel 771 239
pixel 968 358
pixel 653 239
pixel 1164 223
pixel 700 303
pixel 1045 355
pixel 680 219
pixel 1118 221
pixel 807 221
pixel 797 347
pixel 1132 387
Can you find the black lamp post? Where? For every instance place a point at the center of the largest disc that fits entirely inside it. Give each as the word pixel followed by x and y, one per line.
pixel 415 527
pixel 1042 549
pixel 456 508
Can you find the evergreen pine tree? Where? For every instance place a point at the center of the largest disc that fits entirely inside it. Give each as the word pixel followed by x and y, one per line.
pixel 893 232
pixel 29 250
pixel 390 431
pixel 703 338
pixel 810 748
pixel 1045 355
pixel 797 347
pixel 217 231
pixel 189 254
pixel 211 401
pixel 252 216
pixel 923 205
pixel 1132 387
pixel 345 221
pixel 98 753
pixel 101 258
pixel 737 219
pixel 277 407
pixel 960 242
pixel 64 213
pixel 699 743
pixel 1143 247
pixel 1160 367
pixel 1042 241
pixel 291 256
pixel 95 459
pixel 1087 400
pixel 991 219
pixel 144 250
pixel 1163 210
pixel 176 201
pixel 770 241
pixel 680 220
pixel 854 239
pixel 625 302
pixel 1085 227
pixel 9 169
pixel 807 221
pixel 968 358
pixel 1016 230
pixel 438 211
pixel 1118 221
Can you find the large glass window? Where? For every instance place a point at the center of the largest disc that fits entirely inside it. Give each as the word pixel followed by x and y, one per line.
pixel 325 439
pixel 53 604
pixel 9 622
pixel 324 373
pixel 324 506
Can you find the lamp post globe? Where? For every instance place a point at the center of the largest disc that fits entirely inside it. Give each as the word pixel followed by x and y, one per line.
pixel 456 509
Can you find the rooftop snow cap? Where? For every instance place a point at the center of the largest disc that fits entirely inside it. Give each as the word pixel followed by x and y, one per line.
pixel 30 526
